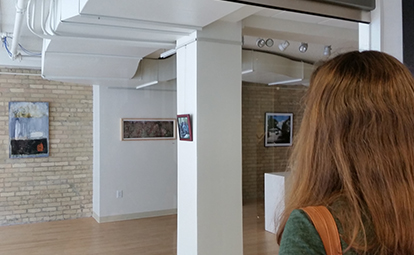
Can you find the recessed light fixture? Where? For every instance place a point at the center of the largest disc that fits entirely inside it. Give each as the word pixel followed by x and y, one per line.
pixel 283 46
pixel 303 47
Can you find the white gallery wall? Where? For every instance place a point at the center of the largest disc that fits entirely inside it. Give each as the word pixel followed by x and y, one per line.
pixel 145 171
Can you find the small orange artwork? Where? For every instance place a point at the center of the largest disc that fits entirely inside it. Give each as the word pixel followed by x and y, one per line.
pixel 40 147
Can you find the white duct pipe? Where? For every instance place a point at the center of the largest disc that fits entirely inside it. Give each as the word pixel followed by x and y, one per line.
pixel 50 33
pixel 20 9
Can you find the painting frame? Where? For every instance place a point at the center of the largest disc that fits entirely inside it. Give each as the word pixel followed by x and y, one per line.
pixel 28 129
pixel 278 129
pixel 148 129
pixel 185 132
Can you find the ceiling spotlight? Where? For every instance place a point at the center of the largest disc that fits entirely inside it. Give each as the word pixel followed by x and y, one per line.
pixel 284 45
pixel 260 42
pixel 327 50
pixel 269 42
pixel 303 47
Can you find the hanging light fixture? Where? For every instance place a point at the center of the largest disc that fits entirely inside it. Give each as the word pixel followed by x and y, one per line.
pixel 303 47
pixel 327 50
pixel 150 83
pixel 168 53
pixel 283 46
pixel 260 42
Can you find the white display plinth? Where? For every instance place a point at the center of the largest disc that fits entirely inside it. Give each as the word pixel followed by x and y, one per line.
pixel 274 198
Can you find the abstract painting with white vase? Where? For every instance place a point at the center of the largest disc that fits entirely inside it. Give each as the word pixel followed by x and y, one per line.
pixel 28 129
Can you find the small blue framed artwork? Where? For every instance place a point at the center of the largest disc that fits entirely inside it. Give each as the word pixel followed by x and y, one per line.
pixel 28 129
pixel 278 129
pixel 184 127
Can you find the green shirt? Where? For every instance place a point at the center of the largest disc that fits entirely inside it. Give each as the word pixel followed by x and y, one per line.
pixel 301 237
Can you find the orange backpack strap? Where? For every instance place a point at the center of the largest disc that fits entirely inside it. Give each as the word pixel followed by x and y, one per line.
pixel 325 224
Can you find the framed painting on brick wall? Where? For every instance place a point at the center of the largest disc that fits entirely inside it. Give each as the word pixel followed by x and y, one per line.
pixel 28 129
pixel 278 129
pixel 147 129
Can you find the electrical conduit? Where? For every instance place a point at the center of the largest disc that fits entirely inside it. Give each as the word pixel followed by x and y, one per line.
pixel 20 9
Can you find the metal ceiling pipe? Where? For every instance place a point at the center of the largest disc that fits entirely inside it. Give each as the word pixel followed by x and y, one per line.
pixel 20 9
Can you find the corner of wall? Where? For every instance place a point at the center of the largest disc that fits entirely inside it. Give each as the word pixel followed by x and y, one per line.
pixel 96 151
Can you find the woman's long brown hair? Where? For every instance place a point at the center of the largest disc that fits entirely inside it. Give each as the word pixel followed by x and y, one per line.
pixel 356 144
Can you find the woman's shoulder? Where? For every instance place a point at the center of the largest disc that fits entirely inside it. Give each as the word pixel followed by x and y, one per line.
pixel 301 237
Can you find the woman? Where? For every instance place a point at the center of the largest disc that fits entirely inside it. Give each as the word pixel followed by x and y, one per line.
pixel 354 154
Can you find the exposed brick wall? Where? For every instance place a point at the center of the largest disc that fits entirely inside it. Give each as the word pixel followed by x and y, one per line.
pixel 257 99
pixel 59 186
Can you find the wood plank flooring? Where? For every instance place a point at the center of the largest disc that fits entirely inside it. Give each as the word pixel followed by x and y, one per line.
pixel 152 236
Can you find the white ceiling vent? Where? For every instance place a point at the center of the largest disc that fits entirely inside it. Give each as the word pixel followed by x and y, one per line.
pixel 154 71
pixel 260 67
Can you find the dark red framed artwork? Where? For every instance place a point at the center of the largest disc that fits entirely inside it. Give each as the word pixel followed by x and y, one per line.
pixel 184 127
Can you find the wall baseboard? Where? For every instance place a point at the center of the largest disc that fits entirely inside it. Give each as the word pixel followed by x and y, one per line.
pixel 133 216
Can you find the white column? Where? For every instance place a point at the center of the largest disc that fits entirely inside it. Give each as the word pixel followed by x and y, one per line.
pixel 209 167
pixel 386 28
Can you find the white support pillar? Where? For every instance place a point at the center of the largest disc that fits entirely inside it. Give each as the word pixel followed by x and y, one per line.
pixel 386 28
pixel 210 167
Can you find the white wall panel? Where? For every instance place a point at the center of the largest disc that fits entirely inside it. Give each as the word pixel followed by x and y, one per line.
pixel 146 171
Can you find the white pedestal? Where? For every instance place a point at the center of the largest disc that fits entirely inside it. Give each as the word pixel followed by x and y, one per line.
pixel 274 198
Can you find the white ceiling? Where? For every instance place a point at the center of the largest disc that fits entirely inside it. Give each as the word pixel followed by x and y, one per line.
pixel 93 41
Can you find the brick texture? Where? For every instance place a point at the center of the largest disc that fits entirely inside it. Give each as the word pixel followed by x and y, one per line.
pixel 257 99
pixel 59 186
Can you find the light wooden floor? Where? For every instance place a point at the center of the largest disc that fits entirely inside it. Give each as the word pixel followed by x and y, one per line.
pixel 155 236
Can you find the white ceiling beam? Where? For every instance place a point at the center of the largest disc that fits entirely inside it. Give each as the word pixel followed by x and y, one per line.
pixel 297 31
pixel 313 7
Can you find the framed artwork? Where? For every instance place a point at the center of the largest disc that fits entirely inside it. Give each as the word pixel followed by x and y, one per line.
pixel 28 129
pixel 184 127
pixel 147 129
pixel 278 129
